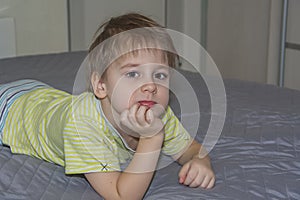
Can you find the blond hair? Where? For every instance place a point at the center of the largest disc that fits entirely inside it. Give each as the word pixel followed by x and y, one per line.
pixel 127 34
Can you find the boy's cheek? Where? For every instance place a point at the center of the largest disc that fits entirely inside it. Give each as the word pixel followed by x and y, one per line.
pixel 120 103
pixel 121 98
pixel 164 98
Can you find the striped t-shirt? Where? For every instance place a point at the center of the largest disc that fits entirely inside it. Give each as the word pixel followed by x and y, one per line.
pixel 9 92
pixel 72 131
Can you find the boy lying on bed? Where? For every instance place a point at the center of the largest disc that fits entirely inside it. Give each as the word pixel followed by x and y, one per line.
pixel 124 117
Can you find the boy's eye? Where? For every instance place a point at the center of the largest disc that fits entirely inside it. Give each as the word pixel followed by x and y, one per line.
pixel 132 74
pixel 161 76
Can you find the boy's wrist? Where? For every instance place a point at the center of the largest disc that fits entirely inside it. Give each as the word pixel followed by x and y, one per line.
pixel 201 155
pixel 156 139
pixel 157 135
pixel 153 142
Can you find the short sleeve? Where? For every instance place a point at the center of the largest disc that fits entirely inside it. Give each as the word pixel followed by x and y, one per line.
pixel 89 145
pixel 176 137
pixel 87 149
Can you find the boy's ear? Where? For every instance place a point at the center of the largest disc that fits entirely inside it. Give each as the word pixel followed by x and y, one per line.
pixel 99 87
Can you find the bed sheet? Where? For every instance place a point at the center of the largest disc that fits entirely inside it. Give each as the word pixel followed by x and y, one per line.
pixel 256 157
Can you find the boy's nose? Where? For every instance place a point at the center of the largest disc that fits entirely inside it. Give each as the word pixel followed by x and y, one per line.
pixel 149 87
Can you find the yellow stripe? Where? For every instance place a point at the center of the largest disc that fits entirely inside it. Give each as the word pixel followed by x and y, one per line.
pixel 39 121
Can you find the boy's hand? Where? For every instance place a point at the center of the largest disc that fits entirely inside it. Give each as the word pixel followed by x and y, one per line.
pixel 197 173
pixel 141 121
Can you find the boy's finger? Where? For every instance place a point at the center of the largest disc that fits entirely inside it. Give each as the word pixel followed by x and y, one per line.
pixel 124 117
pixel 205 182
pixel 197 180
pixel 182 179
pixel 132 114
pixel 149 116
pixel 183 173
pixel 211 183
pixel 141 115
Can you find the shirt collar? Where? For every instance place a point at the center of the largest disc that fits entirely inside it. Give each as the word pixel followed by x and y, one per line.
pixel 110 126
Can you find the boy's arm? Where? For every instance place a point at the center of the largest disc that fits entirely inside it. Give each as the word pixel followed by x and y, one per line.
pixel 196 170
pixel 135 180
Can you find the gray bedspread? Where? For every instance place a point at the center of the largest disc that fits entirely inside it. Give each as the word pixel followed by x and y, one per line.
pixel 256 157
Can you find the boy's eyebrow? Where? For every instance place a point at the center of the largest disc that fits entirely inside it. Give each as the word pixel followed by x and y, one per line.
pixel 138 64
pixel 130 65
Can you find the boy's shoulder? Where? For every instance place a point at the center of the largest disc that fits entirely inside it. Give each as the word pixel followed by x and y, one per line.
pixel 84 99
pixel 85 104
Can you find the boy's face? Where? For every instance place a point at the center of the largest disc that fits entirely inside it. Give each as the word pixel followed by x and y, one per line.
pixel 142 79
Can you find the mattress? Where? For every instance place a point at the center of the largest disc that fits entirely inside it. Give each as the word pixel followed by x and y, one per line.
pixel 257 155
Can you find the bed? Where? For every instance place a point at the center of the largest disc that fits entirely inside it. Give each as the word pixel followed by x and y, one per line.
pixel 256 157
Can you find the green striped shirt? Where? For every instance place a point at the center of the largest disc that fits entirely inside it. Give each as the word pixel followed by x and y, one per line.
pixel 72 131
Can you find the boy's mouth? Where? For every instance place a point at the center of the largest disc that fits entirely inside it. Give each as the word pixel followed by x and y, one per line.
pixel 149 104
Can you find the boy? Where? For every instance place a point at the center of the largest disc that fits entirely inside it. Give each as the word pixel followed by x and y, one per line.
pixel 124 118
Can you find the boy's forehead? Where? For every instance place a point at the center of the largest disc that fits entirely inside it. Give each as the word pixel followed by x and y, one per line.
pixel 143 57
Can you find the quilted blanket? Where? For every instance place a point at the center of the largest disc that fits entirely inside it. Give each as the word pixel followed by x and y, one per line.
pixel 256 157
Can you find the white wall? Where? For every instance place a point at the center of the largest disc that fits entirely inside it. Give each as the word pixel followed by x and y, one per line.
pixel 192 19
pixel 7 37
pixel 242 38
pixel 40 25
pixel 292 69
pixel 185 16
pixel 238 36
pixel 275 28
pixel 293 24
pixel 86 16
pixel 292 62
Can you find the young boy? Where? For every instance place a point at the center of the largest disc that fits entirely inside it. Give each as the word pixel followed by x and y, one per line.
pixel 124 117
